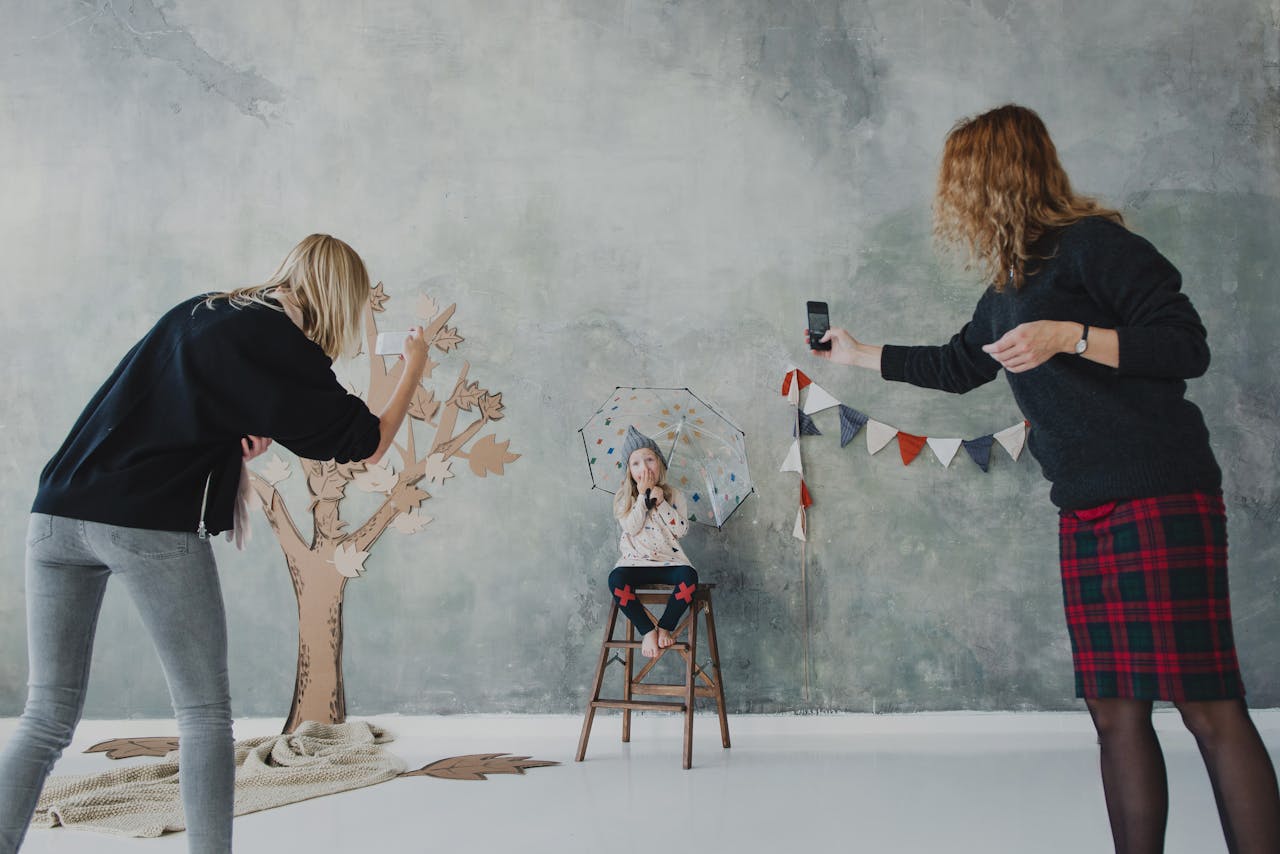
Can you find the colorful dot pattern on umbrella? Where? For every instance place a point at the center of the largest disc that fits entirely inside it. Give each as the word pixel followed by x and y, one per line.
pixel 705 451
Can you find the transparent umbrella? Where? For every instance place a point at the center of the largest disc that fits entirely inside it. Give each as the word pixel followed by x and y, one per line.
pixel 706 454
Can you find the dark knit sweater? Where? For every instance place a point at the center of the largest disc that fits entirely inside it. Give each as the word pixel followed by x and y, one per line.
pixel 170 418
pixel 1100 434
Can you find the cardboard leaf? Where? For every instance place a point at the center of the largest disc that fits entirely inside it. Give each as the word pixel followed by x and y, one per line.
pixel 425 307
pixel 275 470
pixel 491 406
pixel 488 455
pixel 447 338
pixel 798 531
pixel 879 435
pixel 476 766
pixel 437 469
pixel 376 478
pixel 406 497
pixel 424 405
pixel 411 522
pixel 818 399
pixel 466 396
pixel 909 446
pixel 128 748
pixel 944 449
pixel 1013 439
pixel 377 297
pixel 349 560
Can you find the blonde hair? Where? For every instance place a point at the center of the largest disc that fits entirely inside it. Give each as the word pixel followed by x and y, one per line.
pixel 1001 188
pixel 625 497
pixel 328 282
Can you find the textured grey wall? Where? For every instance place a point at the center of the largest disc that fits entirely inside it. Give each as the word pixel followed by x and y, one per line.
pixel 637 193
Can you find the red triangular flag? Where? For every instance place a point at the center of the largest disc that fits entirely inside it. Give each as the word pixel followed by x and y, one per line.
pixel 786 382
pixel 909 446
pixel 804 380
pixel 806 500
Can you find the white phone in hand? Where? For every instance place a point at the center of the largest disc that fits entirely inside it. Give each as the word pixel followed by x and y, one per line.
pixel 390 343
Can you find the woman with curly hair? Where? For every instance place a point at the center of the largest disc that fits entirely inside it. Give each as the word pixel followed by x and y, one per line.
pixel 1097 341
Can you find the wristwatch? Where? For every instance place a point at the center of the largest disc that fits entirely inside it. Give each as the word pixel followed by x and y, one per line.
pixel 1083 343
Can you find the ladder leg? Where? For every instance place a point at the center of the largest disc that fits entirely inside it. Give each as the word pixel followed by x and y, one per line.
pixel 689 685
pixel 715 668
pixel 627 682
pixel 595 687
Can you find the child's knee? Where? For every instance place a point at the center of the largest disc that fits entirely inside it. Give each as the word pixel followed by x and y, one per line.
pixel 689 575
pixel 617 579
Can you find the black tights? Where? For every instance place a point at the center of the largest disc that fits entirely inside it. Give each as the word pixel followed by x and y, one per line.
pixel 1137 793
pixel 625 580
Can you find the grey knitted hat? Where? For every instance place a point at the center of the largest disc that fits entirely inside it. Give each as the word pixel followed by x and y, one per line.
pixel 634 441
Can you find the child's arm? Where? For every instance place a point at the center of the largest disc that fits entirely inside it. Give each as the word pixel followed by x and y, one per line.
pixel 633 521
pixel 673 515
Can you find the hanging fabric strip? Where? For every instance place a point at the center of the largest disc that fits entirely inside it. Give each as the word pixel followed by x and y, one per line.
pixel 980 450
pixel 818 399
pixel 851 421
pixel 944 449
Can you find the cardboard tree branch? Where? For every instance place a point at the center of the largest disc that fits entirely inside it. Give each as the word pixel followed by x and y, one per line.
pixel 338 552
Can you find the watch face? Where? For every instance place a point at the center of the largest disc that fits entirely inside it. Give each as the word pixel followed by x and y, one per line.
pixel 1081 345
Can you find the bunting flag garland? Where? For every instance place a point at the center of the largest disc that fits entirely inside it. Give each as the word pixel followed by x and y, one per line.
pixel 851 421
pixel 1013 438
pixel 879 435
pixel 818 399
pixel 806 426
pixel 980 450
pixel 944 449
pixel 792 462
pixel 909 446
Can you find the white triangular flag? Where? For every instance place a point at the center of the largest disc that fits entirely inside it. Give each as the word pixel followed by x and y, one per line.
pixel 818 399
pixel 793 393
pixel 792 462
pixel 944 449
pixel 1013 438
pixel 879 435
pixel 798 530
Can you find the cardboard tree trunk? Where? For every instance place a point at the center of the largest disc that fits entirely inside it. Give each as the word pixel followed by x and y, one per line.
pixel 321 568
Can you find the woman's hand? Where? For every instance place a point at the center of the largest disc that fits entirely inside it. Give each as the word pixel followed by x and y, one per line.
pixel 1030 345
pixel 846 350
pixel 416 346
pixel 253 446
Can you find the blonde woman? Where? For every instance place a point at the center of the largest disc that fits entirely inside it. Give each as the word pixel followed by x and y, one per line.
pixel 653 518
pixel 1097 341
pixel 149 471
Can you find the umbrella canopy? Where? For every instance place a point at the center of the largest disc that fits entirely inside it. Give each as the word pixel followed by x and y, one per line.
pixel 706 454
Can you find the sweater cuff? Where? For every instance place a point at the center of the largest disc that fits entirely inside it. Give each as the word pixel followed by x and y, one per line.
pixel 893 362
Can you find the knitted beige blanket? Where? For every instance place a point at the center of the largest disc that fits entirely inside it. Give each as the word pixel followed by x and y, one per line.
pixel 315 760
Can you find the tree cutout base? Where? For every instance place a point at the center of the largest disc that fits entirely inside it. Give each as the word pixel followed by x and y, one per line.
pixel 476 765
pixel 321 568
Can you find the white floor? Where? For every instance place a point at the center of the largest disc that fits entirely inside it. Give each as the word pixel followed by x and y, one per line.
pixel 952 782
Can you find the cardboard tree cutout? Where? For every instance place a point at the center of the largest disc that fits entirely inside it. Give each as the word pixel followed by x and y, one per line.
pixel 321 568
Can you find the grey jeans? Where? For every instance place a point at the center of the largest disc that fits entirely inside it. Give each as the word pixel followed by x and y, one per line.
pixel 173 581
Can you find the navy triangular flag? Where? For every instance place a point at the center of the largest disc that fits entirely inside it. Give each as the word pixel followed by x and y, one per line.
pixel 851 421
pixel 980 450
pixel 807 427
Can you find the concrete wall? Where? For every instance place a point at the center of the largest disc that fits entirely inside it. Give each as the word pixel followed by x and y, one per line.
pixel 636 193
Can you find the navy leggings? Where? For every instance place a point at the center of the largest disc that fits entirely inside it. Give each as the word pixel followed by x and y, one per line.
pixel 625 580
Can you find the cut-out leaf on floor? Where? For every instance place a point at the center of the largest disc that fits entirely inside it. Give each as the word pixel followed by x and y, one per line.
pixel 476 765
pixel 128 748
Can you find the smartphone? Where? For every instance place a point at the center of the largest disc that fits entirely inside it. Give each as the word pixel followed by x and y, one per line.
pixel 390 343
pixel 819 323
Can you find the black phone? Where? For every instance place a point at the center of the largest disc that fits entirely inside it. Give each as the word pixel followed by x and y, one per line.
pixel 819 323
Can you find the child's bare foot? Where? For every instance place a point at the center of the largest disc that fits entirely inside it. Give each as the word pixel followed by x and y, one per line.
pixel 665 639
pixel 649 644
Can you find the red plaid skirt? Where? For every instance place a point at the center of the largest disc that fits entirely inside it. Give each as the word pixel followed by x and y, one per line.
pixel 1144 583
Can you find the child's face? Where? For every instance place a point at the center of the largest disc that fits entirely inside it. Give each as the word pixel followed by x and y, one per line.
pixel 644 460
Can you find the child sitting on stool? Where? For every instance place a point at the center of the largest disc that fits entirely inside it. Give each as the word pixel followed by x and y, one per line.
pixel 652 515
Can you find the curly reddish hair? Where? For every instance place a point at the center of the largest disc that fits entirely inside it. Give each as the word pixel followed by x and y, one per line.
pixel 1001 188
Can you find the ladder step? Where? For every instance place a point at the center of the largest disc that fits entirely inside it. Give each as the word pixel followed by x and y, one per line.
pixel 660 690
pixel 638 644
pixel 638 705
